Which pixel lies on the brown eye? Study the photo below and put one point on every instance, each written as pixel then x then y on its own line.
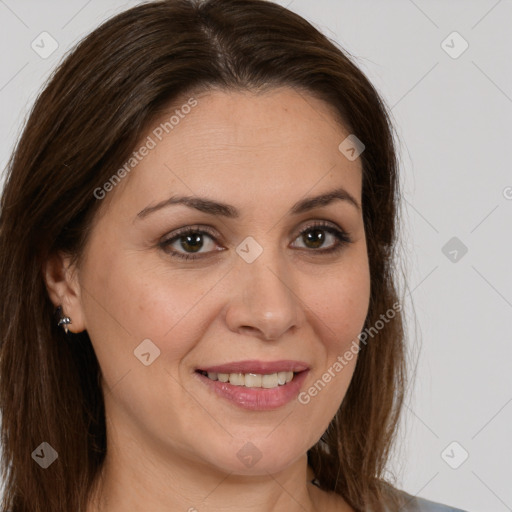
pixel 189 240
pixel 187 243
pixel 314 237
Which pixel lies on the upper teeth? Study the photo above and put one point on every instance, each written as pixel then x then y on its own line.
pixel 253 380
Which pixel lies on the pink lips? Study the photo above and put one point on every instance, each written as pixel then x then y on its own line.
pixel 257 399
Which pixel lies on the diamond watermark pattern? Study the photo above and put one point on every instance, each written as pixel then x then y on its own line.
pixel 249 249
pixel 44 455
pixel 351 147
pixel 44 45
pixel 454 249
pixel 249 454
pixel 147 352
pixel 454 455
pixel 454 45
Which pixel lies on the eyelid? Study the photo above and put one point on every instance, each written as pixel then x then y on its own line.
pixel 320 223
pixel 187 229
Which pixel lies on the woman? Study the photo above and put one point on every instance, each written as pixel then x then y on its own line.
pixel 197 254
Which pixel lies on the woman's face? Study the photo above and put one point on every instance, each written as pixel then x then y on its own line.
pixel 260 298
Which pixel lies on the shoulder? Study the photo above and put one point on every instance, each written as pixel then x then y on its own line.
pixel 416 504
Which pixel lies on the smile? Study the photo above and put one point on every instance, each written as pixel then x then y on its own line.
pixel 255 385
pixel 252 380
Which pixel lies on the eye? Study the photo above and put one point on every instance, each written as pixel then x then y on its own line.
pixel 192 239
pixel 315 234
pixel 189 238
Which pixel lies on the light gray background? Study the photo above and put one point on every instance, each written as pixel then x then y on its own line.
pixel 453 119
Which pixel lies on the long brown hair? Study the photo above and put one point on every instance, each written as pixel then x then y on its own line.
pixel 86 122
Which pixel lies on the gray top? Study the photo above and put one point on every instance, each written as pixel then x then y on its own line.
pixel 416 504
pixel 422 505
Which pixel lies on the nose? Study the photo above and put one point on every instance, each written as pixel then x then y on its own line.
pixel 263 301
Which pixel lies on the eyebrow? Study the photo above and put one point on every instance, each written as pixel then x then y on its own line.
pixel 211 207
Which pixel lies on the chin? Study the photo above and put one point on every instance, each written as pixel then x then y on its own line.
pixel 258 455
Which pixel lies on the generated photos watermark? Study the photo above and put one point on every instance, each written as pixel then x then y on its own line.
pixel 342 361
pixel 150 143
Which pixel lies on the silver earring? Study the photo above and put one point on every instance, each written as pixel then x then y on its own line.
pixel 64 321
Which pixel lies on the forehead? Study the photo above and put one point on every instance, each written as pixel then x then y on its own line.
pixel 252 147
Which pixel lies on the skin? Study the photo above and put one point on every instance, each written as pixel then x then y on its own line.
pixel 172 443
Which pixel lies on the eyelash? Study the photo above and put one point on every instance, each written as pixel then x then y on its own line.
pixel 342 239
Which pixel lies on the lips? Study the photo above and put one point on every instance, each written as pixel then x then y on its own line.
pixel 272 384
pixel 257 367
pixel 273 393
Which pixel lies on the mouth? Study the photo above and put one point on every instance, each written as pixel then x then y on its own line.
pixel 255 374
pixel 255 385
pixel 252 380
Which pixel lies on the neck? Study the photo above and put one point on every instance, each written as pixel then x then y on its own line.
pixel 129 482
pixel 140 475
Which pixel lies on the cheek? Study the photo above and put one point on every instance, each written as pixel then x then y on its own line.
pixel 341 305
pixel 130 303
pixel 338 311
pixel 127 300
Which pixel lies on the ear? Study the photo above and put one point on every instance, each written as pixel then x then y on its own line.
pixel 61 278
